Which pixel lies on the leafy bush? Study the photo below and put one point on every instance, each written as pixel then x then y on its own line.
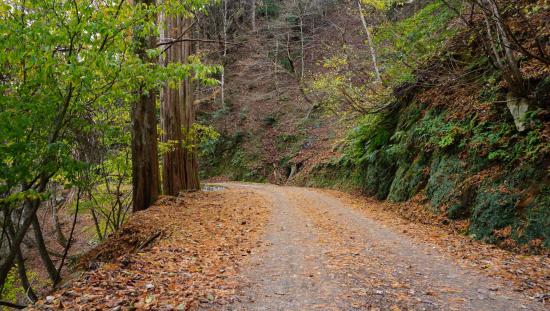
pixel 411 42
pixel 372 133
pixel 437 133
pixel 500 141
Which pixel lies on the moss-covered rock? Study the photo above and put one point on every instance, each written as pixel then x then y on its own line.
pixel 513 200
pixel 409 179
pixel 378 177
pixel 446 172
pixel 538 219
pixel 334 175
pixel 493 209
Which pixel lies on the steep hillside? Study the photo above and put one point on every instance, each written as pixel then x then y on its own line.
pixel 451 143
pixel 445 138
pixel 269 127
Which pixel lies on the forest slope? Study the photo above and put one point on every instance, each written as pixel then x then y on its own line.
pixel 445 137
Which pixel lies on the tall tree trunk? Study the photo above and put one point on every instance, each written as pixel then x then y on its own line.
pixel 222 84
pixel 191 162
pixel 145 170
pixel 145 165
pixel 515 73
pixel 7 262
pixel 41 245
pixel 23 278
pixel 55 216
pixel 302 55
pixel 369 40
pixel 172 101
pixel 253 14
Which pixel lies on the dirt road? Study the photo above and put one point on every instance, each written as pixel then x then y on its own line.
pixel 264 247
pixel 319 254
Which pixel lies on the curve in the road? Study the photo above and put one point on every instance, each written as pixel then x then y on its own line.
pixel 321 255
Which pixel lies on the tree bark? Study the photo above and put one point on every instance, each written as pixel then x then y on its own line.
pixel 253 14
pixel 302 55
pixel 145 169
pixel 48 263
pixel 55 216
pixel 172 101
pixel 369 40
pixel 191 162
pixel 513 68
pixel 7 262
pixel 25 283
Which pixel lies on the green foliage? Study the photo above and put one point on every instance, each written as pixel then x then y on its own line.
pixel 69 75
pixel 268 8
pixel 501 142
pixel 383 5
pixel 538 219
pixel 200 136
pixel 243 167
pixel 269 120
pixel 333 175
pixel 378 177
pixel 409 178
pixel 286 141
pixel 493 209
pixel 435 132
pixel 409 43
pixel 364 142
pixel 10 289
pixel 446 172
pixel 339 95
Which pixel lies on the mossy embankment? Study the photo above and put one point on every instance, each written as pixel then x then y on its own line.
pixel 452 137
pixel 439 132
pixel 472 166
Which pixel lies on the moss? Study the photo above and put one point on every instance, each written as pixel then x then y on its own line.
pixel 500 203
pixel 335 175
pixel 446 172
pixel 409 179
pixel 460 204
pixel 493 209
pixel 378 177
pixel 538 219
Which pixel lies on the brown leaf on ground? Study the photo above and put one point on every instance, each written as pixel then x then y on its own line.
pixel 180 253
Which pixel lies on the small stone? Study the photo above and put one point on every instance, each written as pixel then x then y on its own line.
pixel 50 299
pixel 149 286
